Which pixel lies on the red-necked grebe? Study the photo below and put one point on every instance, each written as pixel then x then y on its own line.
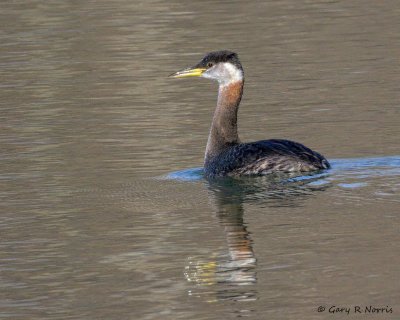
pixel 225 154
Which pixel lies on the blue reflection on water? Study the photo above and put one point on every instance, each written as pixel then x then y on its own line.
pixel 192 174
pixel 358 163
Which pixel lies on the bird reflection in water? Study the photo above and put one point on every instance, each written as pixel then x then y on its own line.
pixel 237 268
pixel 233 276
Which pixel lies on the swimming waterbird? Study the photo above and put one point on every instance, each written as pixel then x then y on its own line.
pixel 225 154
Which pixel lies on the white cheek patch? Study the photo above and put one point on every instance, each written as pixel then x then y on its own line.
pixel 234 74
pixel 225 73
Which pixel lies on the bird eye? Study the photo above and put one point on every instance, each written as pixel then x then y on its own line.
pixel 209 64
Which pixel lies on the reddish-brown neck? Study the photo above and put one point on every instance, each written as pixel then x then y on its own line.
pixel 223 131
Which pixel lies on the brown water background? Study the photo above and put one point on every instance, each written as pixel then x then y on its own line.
pixel 104 213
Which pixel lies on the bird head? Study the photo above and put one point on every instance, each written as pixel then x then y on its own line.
pixel 222 66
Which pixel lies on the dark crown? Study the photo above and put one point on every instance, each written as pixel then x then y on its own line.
pixel 219 56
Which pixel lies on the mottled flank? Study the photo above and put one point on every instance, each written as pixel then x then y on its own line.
pixel 264 157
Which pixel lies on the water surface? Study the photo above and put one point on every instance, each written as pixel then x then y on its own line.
pixel 104 212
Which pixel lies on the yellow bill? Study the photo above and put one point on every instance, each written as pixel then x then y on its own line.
pixel 196 72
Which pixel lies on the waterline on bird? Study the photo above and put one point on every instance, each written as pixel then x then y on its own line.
pixel 351 168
